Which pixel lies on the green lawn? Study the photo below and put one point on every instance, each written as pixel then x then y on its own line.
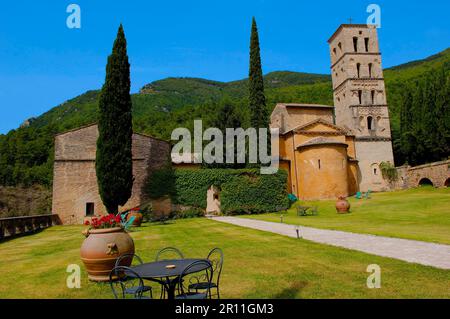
pixel 257 264
pixel 420 214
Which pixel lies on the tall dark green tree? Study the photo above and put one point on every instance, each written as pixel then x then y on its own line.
pixel 114 162
pixel 259 117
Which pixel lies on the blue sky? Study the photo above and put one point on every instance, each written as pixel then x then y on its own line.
pixel 43 63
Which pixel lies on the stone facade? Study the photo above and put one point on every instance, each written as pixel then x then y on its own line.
pixel 318 155
pixel 75 190
pixel 336 150
pixel 360 99
pixel 437 173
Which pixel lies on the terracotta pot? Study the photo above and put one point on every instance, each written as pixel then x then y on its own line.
pixel 342 205
pixel 101 249
pixel 137 218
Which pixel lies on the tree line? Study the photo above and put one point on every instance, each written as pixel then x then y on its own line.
pixel 424 134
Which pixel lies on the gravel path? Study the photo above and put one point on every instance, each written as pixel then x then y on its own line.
pixel 429 254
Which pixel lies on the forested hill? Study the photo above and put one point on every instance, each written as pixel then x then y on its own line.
pixel 26 153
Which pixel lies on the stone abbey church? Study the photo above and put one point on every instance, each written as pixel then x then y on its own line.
pixel 333 151
pixel 328 151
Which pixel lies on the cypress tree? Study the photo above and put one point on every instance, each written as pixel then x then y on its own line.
pixel 113 160
pixel 257 101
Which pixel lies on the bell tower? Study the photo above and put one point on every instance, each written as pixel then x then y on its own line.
pixel 360 99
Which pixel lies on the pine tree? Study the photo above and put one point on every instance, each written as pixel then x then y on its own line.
pixel 257 101
pixel 113 160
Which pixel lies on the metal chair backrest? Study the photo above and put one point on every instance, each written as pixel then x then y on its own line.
pixel 215 257
pixel 122 278
pixel 169 250
pixel 123 259
pixel 204 275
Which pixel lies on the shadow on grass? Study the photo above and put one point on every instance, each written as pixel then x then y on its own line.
pixel 20 235
pixel 292 291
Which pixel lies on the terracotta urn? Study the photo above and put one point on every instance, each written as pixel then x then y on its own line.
pixel 101 248
pixel 342 205
pixel 137 217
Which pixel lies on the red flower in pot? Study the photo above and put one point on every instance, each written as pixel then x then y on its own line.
pixel 106 240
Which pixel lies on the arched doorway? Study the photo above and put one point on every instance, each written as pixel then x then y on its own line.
pixel 447 182
pixel 425 182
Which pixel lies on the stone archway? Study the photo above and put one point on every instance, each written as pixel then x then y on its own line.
pixel 213 200
pixel 425 182
pixel 447 182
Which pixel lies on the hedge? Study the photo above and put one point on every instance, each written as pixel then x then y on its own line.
pixel 242 190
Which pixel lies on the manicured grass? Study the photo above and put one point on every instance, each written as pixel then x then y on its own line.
pixel 421 214
pixel 257 264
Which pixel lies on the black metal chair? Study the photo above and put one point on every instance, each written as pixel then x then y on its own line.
pixel 172 251
pixel 123 258
pixel 187 277
pixel 135 260
pixel 125 282
pixel 215 257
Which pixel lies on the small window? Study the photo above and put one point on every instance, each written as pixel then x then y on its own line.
pixel 369 123
pixel 340 46
pixel 370 70
pixel 360 96
pixel 89 209
pixel 372 94
pixel 334 51
pixel 366 44
pixel 375 171
pixel 358 68
pixel 355 44
pixel 319 164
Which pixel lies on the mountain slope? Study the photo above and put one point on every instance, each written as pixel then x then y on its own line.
pixel 161 106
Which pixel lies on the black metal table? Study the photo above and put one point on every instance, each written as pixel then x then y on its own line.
pixel 157 272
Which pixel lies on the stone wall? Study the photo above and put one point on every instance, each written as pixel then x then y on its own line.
pixel 322 172
pixel 438 173
pixel 370 154
pixel 75 179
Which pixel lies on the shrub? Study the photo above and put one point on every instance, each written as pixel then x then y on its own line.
pixel 191 212
pixel 247 193
pixel 243 190
pixel 160 183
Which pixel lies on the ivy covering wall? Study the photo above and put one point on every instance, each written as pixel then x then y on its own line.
pixel 241 190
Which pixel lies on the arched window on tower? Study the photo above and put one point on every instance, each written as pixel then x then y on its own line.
pixel 366 44
pixel 370 123
pixel 340 46
pixel 370 70
pixel 358 68
pixel 360 96
pixel 334 51
pixel 372 95
pixel 355 44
